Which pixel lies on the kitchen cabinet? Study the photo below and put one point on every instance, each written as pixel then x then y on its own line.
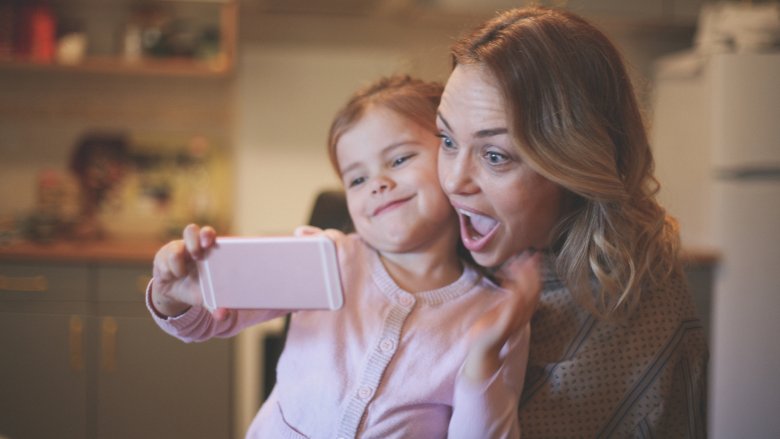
pixel 156 37
pixel 82 358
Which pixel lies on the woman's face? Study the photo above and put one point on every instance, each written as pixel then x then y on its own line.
pixel 503 205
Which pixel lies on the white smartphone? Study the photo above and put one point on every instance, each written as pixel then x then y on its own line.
pixel 271 273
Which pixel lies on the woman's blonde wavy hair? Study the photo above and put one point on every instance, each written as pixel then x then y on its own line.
pixel 574 116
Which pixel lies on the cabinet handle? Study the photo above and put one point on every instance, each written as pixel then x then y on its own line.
pixel 76 342
pixel 35 284
pixel 108 331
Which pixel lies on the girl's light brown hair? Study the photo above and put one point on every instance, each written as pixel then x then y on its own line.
pixel 573 115
pixel 413 99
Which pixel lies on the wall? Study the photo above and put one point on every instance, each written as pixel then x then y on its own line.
pixel 43 114
pixel 295 71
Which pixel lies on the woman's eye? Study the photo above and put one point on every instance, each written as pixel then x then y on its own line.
pixel 446 142
pixel 496 158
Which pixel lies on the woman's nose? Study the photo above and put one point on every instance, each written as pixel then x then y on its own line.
pixel 456 175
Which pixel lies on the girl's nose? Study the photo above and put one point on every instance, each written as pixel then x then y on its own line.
pixel 380 184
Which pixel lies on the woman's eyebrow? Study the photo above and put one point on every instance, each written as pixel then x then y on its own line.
pixel 443 120
pixel 490 132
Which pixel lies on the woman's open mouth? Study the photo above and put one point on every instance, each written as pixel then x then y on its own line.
pixel 476 230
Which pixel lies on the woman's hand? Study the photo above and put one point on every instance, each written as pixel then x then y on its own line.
pixel 175 287
pixel 521 278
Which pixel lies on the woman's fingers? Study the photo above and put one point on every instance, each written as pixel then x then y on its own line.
pixel 522 278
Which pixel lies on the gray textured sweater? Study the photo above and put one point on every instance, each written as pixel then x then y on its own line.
pixel 589 378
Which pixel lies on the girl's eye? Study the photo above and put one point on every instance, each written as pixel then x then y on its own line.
pixel 496 158
pixel 356 181
pixel 446 142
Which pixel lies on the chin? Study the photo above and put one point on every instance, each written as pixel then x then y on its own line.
pixel 487 260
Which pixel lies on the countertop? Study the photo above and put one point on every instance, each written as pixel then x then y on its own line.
pixel 140 251
pixel 121 251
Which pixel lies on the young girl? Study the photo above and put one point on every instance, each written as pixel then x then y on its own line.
pixel 424 346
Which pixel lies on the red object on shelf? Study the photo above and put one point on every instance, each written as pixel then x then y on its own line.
pixel 37 33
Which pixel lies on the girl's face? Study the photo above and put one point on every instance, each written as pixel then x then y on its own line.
pixel 388 167
pixel 503 205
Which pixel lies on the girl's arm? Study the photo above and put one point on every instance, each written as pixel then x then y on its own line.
pixel 198 324
pixel 174 297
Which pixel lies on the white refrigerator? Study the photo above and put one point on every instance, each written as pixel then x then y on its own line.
pixel 716 136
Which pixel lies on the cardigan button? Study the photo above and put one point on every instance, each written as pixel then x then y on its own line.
pixel 386 344
pixel 365 392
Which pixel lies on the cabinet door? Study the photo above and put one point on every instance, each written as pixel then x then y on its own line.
pixel 153 385
pixel 42 375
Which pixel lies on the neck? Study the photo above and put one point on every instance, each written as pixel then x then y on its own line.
pixel 425 270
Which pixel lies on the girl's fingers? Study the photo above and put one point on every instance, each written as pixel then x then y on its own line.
pixel 302 231
pixel 177 262
pixel 207 237
pixel 191 236
pixel 221 314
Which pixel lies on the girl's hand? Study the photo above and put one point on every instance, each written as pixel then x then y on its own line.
pixel 175 287
pixel 521 278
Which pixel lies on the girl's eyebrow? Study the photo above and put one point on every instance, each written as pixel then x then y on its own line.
pixel 489 132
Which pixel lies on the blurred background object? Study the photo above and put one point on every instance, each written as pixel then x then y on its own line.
pixel 717 147
pixel 99 163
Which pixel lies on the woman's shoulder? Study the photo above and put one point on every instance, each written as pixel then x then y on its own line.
pixel 671 299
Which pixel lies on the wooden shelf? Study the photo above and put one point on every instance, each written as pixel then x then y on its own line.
pixel 148 66
pixel 220 65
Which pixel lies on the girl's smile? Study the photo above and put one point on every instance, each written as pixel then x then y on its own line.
pixel 388 166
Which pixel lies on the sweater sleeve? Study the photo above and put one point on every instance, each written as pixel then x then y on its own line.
pixel 489 409
pixel 197 323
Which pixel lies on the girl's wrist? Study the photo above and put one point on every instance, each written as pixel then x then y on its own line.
pixel 165 307
pixel 170 309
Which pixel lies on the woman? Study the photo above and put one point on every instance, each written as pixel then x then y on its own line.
pixel 543 147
